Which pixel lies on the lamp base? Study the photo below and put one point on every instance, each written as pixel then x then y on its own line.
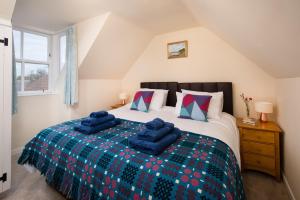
pixel 263 117
pixel 123 102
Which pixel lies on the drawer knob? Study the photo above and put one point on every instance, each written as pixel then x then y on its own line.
pixel 258 162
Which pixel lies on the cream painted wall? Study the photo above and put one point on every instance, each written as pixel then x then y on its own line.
pixel 288 99
pixel 6 10
pixel 87 33
pixel 34 114
pixel 38 112
pixel 96 94
pixel 210 59
pixel 117 46
pixel 249 27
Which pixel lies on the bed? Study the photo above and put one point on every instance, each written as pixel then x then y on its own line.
pixel 202 164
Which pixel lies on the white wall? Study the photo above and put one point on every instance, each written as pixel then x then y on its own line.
pixel 34 114
pixel 96 94
pixel 262 30
pixel 209 59
pixel 38 112
pixel 6 11
pixel 87 33
pixel 116 47
pixel 288 99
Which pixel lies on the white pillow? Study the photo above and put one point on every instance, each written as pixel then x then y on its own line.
pixel 159 98
pixel 165 97
pixel 165 92
pixel 179 97
pixel 216 103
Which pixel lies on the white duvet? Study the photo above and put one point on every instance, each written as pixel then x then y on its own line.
pixel 224 129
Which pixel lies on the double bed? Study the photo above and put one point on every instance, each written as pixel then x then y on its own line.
pixel 204 163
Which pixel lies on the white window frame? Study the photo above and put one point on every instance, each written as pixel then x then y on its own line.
pixel 23 61
pixel 62 34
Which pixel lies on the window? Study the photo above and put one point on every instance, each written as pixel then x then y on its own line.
pixel 62 51
pixel 32 61
pixel 35 47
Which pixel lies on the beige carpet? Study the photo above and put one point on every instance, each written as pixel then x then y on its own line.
pixel 26 186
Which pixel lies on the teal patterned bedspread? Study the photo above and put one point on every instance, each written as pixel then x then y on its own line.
pixel 103 166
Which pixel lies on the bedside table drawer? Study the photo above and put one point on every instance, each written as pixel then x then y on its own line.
pixel 258 148
pixel 259 161
pixel 258 136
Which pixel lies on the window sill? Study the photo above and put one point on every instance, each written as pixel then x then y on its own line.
pixel 25 94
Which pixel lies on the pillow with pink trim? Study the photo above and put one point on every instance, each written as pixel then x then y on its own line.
pixel 195 107
pixel 142 100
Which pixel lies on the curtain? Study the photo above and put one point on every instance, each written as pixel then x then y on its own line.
pixel 71 84
pixel 14 81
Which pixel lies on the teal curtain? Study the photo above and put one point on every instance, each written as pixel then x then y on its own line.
pixel 14 80
pixel 71 84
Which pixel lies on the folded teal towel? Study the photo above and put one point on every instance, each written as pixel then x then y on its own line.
pixel 155 124
pixel 94 129
pixel 98 114
pixel 97 121
pixel 154 148
pixel 155 135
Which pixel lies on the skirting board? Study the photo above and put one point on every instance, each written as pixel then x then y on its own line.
pixel 288 187
pixel 17 151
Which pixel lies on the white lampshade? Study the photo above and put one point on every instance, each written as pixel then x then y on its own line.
pixel 123 96
pixel 264 107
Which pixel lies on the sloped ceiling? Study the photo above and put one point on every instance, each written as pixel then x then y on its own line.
pixel 118 44
pixel 87 33
pixel 157 16
pixel 267 31
pixel 6 9
pixel 108 45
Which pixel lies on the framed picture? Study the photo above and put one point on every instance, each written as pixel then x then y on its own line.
pixel 178 49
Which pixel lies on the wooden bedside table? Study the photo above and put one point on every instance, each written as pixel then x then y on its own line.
pixel 116 106
pixel 260 147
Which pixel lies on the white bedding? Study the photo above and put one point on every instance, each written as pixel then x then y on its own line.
pixel 224 129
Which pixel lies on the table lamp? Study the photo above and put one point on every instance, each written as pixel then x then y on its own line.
pixel 123 97
pixel 264 108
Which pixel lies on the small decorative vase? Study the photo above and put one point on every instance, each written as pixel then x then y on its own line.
pixel 247 118
pixel 247 112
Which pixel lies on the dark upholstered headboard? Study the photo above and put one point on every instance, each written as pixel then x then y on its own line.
pixel 173 87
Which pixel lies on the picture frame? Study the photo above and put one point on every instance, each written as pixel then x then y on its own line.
pixel 177 49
